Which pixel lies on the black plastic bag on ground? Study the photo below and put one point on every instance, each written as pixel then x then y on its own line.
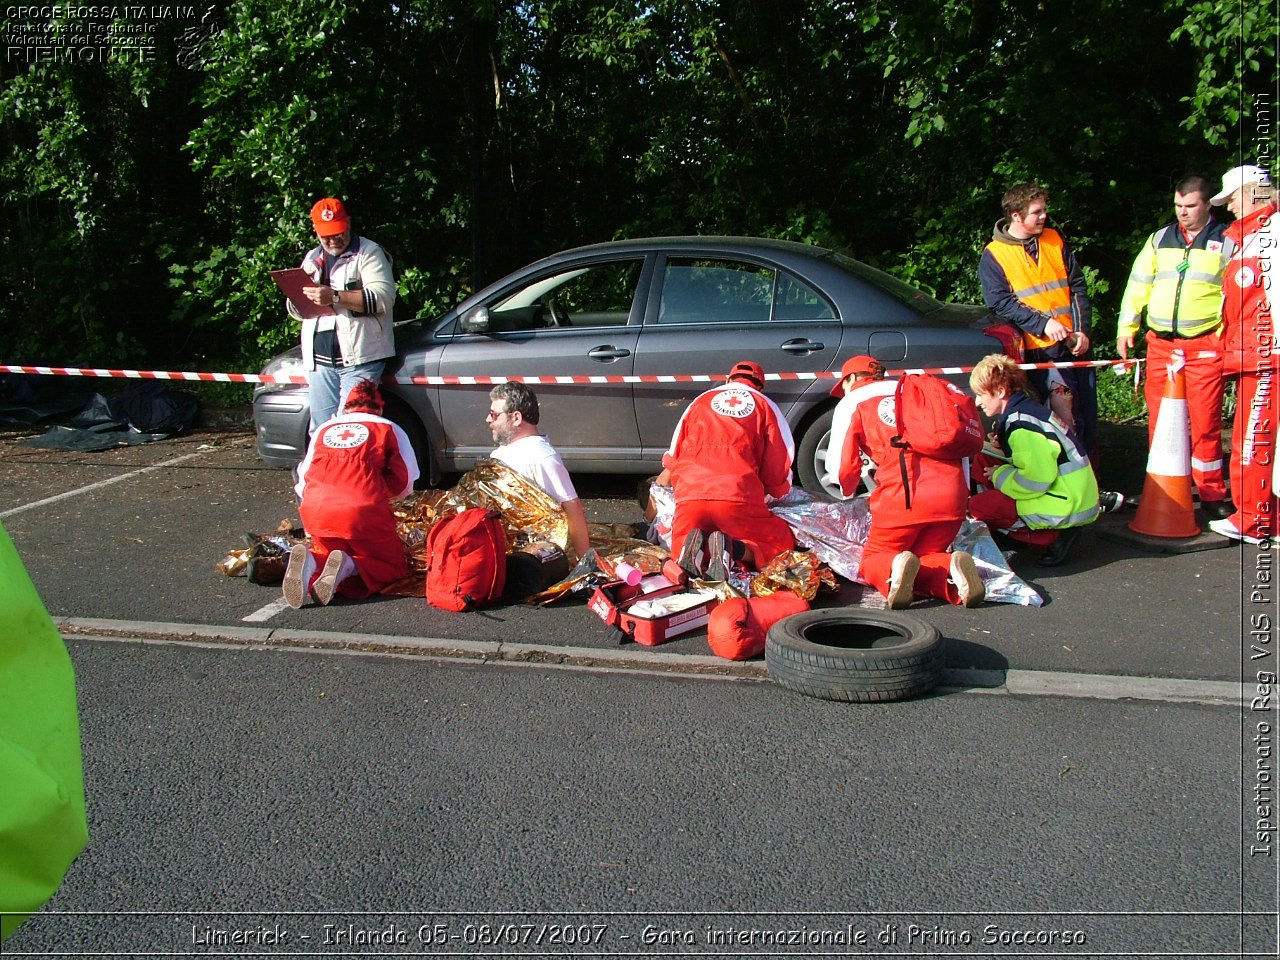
pixel 26 399
pixel 140 413
pixel 101 436
pixel 152 407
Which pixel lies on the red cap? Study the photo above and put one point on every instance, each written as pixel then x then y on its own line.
pixel 867 366
pixel 747 370
pixel 329 217
pixel 364 396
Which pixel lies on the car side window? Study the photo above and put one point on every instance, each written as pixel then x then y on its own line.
pixel 597 295
pixel 794 299
pixel 714 291
pixel 726 291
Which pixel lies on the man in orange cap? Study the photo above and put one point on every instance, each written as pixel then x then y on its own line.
pixel 1250 353
pixel 906 549
pixel 352 343
pixel 731 450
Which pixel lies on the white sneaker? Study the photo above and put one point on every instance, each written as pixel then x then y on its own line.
pixel 297 576
pixel 337 568
pixel 1228 529
pixel 902 580
pixel 964 574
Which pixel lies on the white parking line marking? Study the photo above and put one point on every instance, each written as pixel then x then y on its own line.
pixel 267 612
pixel 101 483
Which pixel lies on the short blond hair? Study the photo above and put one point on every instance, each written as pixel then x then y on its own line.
pixel 998 374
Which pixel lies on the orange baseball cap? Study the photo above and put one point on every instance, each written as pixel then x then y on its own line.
pixel 747 370
pixel 329 217
pixel 867 366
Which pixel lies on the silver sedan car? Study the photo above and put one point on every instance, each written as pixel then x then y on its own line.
pixel 646 308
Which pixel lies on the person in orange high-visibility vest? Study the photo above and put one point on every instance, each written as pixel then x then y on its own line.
pixel 1030 278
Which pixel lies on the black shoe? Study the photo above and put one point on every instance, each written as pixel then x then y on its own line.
pixel 1217 509
pixel 691 554
pixel 1109 501
pixel 1058 550
pixel 267 570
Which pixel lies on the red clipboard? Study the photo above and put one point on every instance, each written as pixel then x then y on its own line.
pixel 291 282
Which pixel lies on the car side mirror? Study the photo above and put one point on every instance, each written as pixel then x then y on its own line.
pixel 477 321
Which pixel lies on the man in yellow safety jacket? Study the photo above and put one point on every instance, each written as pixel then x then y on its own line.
pixel 1177 282
pixel 1030 278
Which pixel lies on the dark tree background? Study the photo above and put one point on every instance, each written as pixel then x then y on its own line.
pixel 143 200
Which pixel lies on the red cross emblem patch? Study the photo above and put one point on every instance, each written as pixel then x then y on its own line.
pixel 735 401
pixel 345 436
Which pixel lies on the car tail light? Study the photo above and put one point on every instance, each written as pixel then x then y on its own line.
pixel 1008 336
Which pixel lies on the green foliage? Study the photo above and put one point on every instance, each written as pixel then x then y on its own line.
pixel 1118 400
pixel 1235 52
pixel 219 395
pixel 143 202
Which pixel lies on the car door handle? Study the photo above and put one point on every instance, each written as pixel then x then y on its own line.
pixel 609 352
pixel 801 346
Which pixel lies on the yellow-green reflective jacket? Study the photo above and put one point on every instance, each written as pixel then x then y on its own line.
pixel 1178 284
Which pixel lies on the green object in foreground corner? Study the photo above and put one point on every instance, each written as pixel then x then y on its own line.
pixel 42 818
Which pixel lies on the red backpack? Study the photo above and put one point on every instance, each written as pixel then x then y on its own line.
pixel 935 419
pixel 466 560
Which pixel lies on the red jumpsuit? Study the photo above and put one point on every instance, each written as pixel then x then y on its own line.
pixel 356 464
pixel 939 495
pixel 1250 354
pixel 731 447
pixel 1204 385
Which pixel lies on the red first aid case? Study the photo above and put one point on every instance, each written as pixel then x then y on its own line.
pixel 614 602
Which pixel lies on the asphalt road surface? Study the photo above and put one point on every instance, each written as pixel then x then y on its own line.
pixel 311 794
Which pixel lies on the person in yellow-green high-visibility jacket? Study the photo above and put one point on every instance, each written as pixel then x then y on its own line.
pixel 1040 480
pixel 1176 286
pixel 42 813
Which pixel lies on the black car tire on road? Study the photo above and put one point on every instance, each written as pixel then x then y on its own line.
pixel 860 656
pixel 813 446
pixel 398 413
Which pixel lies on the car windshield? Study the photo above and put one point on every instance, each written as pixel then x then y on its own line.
pixel 919 301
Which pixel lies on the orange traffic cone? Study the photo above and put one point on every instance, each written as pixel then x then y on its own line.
pixel 1166 509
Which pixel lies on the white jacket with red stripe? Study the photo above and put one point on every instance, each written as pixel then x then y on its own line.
pixel 866 420
pixel 733 444
pixel 356 463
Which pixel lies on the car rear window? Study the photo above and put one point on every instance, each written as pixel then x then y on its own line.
pixel 735 291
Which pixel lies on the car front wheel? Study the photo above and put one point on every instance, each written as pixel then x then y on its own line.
pixel 403 417
pixel 811 458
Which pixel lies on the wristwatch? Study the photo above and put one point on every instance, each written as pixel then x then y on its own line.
pixel 336 302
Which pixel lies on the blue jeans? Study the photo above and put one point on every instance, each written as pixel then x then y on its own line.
pixel 329 386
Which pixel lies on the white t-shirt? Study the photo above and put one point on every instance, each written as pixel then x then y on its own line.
pixel 535 459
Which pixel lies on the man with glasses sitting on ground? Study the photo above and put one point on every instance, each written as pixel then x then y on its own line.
pixel 513 421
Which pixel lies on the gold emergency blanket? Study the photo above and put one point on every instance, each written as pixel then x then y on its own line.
pixel 528 514
pixel 797 571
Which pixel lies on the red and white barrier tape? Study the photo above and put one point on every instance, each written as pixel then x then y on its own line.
pixel 477 381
